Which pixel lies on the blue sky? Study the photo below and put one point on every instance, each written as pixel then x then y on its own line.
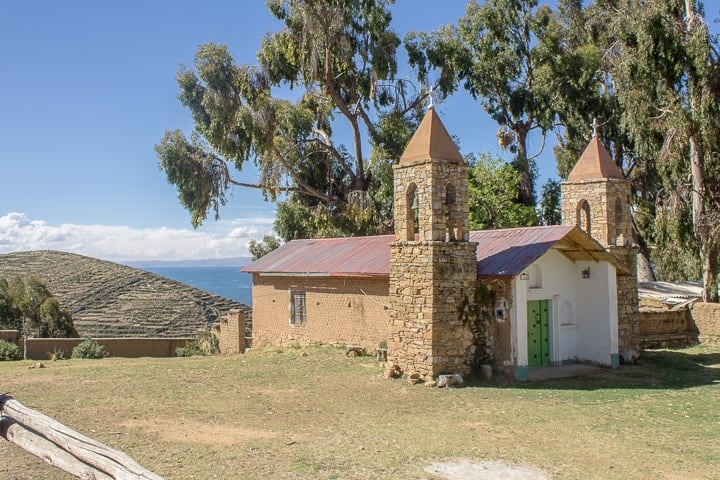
pixel 88 88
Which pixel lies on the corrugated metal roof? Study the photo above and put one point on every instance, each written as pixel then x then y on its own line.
pixel 507 252
pixel 352 256
pixel 671 293
pixel 500 253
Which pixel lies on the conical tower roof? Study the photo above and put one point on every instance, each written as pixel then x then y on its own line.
pixel 431 141
pixel 595 164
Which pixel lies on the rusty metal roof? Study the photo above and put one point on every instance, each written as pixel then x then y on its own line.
pixel 352 256
pixel 500 253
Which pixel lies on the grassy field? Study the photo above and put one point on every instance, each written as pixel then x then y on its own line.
pixel 314 413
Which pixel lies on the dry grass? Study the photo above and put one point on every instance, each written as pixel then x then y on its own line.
pixel 314 413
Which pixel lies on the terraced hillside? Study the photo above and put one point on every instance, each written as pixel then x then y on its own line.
pixel 110 300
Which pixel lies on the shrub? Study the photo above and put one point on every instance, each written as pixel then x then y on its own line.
pixel 9 351
pixel 204 343
pixel 89 348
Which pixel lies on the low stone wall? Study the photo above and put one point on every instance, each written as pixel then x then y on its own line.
pixel 43 348
pixel 667 328
pixel 706 317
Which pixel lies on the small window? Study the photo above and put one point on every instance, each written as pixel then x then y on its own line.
pixel 298 311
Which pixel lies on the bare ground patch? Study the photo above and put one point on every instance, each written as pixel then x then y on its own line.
pixel 464 469
pixel 191 431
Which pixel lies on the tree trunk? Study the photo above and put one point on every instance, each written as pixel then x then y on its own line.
pixel 645 272
pixel 709 256
pixel 526 191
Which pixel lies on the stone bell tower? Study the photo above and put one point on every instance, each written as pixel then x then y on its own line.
pixel 433 266
pixel 597 197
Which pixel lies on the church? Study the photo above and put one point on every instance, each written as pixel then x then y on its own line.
pixel 443 299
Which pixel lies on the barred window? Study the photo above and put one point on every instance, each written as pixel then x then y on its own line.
pixel 297 307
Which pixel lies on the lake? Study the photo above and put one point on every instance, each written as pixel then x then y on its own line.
pixel 228 282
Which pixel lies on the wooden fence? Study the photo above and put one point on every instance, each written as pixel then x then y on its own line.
pixel 65 448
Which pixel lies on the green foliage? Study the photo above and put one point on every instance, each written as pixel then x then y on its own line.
pixel 339 59
pixel 54 322
pixel 204 343
pixel 260 249
pixel 26 304
pixel 503 52
pixel 9 351
pixel 494 190
pixel 664 65
pixel 550 203
pixel 89 349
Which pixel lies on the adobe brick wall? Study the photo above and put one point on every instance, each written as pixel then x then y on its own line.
pixel 666 328
pixel 706 319
pixel 230 331
pixel 9 335
pixel 43 348
pixel 340 310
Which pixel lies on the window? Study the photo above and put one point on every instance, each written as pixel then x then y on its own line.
pixel 298 314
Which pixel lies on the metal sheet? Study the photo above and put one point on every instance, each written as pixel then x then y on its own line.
pixel 353 256
pixel 500 253
pixel 507 252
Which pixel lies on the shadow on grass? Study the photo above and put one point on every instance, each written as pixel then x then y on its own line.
pixel 656 369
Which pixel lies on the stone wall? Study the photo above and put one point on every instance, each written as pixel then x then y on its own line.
pixel 706 319
pixel 340 310
pixel 442 195
pixel 432 287
pixel 499 332
pixel 230 332
pixel 43 348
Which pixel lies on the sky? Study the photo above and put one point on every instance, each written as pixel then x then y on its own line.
pixel 87 89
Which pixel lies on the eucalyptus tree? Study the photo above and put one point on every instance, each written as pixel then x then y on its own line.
pixel 501 52
pixel 337 60
pixel 665 74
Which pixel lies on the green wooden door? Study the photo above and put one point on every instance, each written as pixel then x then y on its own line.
pixel 538 333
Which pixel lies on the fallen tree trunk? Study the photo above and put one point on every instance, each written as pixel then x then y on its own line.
pixel 65 448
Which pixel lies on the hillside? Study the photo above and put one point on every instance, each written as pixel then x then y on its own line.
pixel 110 300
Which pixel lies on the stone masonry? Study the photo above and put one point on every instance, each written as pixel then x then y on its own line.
pixel 433 270
pixel 431 284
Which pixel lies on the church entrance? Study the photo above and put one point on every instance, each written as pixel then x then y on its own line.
pixel 538 333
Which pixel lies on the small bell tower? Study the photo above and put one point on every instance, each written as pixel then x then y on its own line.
pixel 597 197
pixel 433 266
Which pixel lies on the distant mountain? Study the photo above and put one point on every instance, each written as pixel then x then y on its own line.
pixel 107 299
pixel 210 262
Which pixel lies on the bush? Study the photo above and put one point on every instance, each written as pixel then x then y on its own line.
pixel 204 343
pixel 9 351
pixel 89 348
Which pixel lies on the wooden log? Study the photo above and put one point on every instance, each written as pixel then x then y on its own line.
pixel 113 463
pixel 48 451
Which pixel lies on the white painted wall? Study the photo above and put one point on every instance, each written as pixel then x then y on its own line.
pixel 583 311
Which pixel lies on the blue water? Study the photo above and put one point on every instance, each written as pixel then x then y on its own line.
pixel 228 282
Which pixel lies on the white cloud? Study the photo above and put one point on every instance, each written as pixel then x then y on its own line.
pixel 123 243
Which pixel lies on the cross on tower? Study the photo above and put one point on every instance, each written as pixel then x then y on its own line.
pixel 595 126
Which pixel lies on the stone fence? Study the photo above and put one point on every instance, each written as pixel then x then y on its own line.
pixel 684 326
